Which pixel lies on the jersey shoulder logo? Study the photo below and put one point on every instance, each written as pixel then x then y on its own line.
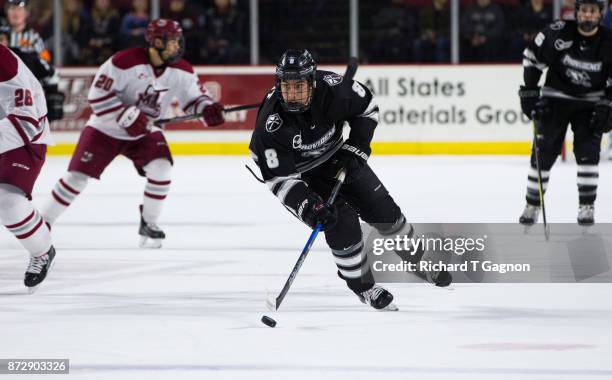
pixel 539 39
pixel 273 123
pixel 333 79
pixel 563 45
pixel 557 25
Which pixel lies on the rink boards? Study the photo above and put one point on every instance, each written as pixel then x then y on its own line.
pixel 441 109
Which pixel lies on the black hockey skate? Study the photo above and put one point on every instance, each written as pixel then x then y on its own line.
pixel 378 297
pixel 37 270
pixel 151 236
pixel 586 215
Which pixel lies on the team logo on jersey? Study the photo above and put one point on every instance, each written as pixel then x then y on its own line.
pixel 563 45
pixel 273 123
pixel 297 141
pixel 581 65
pixel 333 79
pixel 579 78
pixel 149 101
pixel 557 25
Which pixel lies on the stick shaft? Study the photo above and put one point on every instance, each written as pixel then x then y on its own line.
pixel 197 116
pixel 311 239
pixel 536 150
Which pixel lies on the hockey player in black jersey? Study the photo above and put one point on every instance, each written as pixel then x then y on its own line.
pixel 299 148
pixel 577 91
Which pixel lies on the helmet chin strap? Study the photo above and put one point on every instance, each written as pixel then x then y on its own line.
pixel 588 26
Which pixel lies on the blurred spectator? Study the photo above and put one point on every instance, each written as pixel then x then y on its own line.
pixel 396 32
pixel 189 17
pixel 482 28
pixel 531 19
pixel 434 27
pixel 133 25
pixel 568 10
pixel 98 40
pixel 41 17
pixel 607 20
pixel 71 29
pixel 224 34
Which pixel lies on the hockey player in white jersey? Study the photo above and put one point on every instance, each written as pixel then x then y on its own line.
pixel 24 136
pixel 130 90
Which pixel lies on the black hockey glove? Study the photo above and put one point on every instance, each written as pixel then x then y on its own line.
pixel 55 103
pixel 529 100
pixel 352 159
pixel 316 211
pixel 601 119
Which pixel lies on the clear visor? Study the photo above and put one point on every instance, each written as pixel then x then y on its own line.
pixel 296 92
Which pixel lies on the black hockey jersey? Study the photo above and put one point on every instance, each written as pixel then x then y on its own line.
pixel 284 145
pixel 579 67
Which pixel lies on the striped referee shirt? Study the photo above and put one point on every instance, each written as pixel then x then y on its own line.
pixel 29 41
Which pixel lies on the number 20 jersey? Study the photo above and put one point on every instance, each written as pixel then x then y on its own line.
pixel 128 78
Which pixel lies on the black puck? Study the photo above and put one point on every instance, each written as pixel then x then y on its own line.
pixel 268 321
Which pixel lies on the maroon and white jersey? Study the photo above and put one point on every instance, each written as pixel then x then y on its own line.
pixel 23 109
pixel 128 79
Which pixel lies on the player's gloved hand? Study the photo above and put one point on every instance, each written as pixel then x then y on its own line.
pixel 55 105
pixel 601 118
pixel 529 98
pixel 213 114
pixel 134 121
pixel 55 102
pixel 316 211
pixel 352 159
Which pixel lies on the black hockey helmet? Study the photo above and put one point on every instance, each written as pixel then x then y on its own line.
pixel 588 26
pixel 600 3
pixel 296 65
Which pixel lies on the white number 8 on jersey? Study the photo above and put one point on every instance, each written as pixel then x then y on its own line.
pixel 271 158
pixel 358 88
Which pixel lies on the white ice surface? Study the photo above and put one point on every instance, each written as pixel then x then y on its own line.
pixel 192 309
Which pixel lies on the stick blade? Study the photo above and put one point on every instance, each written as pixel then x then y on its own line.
pixel 271 303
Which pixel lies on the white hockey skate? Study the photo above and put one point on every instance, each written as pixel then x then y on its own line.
pixel 586 215
pixel 37 270
pixel 530 215
pixel 379 298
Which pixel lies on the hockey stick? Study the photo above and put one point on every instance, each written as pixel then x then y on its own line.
pixel 536 150
pixel 243 107
pixel 274 303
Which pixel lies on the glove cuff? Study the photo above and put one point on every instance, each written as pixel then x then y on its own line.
pixel 352 148
pixel 529 92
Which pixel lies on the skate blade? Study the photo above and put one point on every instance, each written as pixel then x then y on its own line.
pixel 33 289
pixel 148 243
pixel 527 228
pixel 390 307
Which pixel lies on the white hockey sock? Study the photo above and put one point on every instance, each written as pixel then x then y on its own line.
pixel 22 220
pixel 533 188
pixel 158 185
pixel 587 180
pixel 63 194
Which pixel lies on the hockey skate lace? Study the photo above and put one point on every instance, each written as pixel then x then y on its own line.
pixel 37 263
pixel 373 293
